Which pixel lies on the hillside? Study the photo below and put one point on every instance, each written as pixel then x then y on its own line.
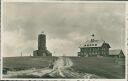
pixel 106 67
pixel 21 63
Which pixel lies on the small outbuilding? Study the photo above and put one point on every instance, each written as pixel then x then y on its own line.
pixel 116 53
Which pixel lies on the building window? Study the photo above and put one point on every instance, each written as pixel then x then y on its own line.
pixel 81 49
pixel 87 45
pixel 95 44
pixel 92 44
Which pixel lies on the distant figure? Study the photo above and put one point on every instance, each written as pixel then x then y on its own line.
pixel 5 70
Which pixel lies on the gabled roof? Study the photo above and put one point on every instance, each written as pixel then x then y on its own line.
pixel 115 52
pixel 93 43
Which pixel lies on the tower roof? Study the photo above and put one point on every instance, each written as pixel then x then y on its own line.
pixel 42 33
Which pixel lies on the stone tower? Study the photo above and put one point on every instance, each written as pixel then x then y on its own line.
pixel 42 49
pixel 42 41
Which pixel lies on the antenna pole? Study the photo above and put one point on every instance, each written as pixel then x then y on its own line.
pixel 21 54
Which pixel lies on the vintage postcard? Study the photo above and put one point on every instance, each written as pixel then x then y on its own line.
pixel 64 41
pixel 58 0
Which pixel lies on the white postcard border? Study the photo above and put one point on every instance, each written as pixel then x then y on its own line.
pixel 126 39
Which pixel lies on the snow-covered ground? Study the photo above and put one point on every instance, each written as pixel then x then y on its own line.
pixel 61 69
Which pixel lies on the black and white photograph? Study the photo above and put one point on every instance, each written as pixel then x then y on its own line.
pixel 62 0
pixel 42 40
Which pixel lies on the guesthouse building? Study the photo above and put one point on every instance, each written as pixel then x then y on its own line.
pixel 94 48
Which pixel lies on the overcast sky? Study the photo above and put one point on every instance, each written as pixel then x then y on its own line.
pixel 66 25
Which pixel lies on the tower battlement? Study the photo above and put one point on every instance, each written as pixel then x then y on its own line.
pixel 42 49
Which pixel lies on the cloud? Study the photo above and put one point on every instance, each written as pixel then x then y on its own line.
pixel 65 24
pixel 61 47
pixel 14 44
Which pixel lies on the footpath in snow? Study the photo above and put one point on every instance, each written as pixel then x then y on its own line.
pixel 61 69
